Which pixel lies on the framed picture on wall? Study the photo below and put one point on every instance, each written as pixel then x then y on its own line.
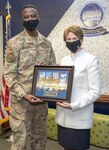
pixel 53 83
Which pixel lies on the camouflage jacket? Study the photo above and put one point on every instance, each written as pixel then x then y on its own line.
pixel 23 52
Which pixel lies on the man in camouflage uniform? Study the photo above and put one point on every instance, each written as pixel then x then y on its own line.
pixel 28 113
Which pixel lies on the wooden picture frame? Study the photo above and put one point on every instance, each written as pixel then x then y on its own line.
pixel 53 83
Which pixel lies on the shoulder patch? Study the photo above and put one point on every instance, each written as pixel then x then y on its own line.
pixel 10 57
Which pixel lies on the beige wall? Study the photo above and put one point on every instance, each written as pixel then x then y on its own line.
pixel 97 45
pixel 1 49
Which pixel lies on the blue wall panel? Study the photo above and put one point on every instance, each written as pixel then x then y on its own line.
pixel 50 12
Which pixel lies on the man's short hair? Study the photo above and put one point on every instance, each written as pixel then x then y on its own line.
pixel 30 6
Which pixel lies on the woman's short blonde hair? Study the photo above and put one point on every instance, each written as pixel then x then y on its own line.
pixel 74 29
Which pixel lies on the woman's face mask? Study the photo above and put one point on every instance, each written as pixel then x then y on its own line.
pixel 73 46
pixel 73 42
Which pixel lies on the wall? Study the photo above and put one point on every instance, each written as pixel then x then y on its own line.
pixel 97 45
pixel 55 17
pixel 50 12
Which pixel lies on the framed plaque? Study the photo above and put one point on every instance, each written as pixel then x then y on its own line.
pixel 53 83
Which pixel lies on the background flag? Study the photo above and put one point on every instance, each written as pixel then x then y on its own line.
pixel 5 94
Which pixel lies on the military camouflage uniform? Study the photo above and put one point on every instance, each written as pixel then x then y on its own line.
pixel 27 121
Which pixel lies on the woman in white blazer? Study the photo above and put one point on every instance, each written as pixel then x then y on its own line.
pixel 75 119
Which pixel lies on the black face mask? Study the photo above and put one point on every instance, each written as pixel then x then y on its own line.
pixel 73 46
pixel 31 24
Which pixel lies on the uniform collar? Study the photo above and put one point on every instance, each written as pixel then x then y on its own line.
pixel 33 40
pixel 77 54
